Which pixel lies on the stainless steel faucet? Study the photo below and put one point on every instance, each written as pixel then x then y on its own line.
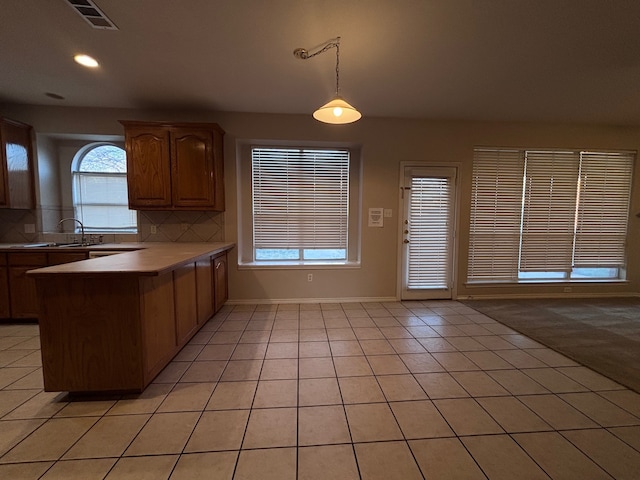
pixel 83 239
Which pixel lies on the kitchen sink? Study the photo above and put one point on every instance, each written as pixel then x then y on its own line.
pixel 53 244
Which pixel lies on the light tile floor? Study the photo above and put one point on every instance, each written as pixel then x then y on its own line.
pixel 412 390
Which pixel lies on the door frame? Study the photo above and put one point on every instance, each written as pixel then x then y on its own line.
pixel 455 220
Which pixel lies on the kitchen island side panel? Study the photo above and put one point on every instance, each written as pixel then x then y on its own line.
pixel 90 332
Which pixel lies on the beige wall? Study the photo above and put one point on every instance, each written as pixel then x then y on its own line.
pixel 385 144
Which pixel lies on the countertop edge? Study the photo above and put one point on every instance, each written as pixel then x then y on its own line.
pixel 148 259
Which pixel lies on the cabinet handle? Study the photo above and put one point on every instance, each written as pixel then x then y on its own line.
pixel 218 265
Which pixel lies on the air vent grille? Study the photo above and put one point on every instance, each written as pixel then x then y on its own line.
pixel 92 14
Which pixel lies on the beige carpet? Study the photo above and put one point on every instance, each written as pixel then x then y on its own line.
pixel 603 334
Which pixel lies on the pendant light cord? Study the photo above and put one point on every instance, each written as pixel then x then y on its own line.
pixel 335 43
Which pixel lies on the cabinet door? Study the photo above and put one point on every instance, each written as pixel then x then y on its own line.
pixel 17 190
pixel 5 309
pixel 24 298
pixel 22 288
pixel 148 167
pixel 193 169
pixel 184 285
pixel 204 289
pixel 220 281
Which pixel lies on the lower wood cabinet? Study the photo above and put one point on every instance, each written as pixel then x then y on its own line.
pixel 220 281
pixel 204 289
pixel 24 298
pixel 5 306
pixel 184 291
pixel 115 333
pixel 19 288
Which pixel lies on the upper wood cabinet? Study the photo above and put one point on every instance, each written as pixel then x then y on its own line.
pixel 176 166
pixel 17 188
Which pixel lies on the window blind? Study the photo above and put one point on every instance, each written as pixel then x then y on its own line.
pixel 603 209
pixel 429 242
pixel 300 198
pixel 102 201
pixel 574 213
pixel 548 212
pixel 496 206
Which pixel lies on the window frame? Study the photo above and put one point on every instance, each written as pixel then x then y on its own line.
pixel 246 257
pixel 76 175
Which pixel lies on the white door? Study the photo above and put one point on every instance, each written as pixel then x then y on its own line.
pixel 428 232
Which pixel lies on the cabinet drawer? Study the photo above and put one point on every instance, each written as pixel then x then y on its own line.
pixel 28 258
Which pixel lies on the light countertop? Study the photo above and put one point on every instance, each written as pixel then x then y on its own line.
pixel 146 258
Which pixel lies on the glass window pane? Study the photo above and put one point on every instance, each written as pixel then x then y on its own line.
pixel 277 254
pixel 542 275
pixel 325 254
pixel 104 158
pixel 595 273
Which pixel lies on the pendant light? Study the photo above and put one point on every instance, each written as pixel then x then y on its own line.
pixel 338 110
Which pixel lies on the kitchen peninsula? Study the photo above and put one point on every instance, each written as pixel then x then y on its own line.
pixel 111 324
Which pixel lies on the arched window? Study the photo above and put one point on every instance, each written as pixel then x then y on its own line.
pixel 100 189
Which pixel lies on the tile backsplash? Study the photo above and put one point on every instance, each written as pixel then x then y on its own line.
pixel 169 226
pixel 12 226
pixel 180 226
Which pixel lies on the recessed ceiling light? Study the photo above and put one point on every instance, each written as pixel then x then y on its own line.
pixel 86 60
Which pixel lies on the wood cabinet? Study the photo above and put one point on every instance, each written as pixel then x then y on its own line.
pixel 116 332
pixel 19 288
pixel 5 306
pixel 174 166
pixel 204 289
pixel 17 183
pixel 24 298
pixel 184 290
pixel 220 282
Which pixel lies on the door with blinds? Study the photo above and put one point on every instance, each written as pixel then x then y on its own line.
pixel 428 232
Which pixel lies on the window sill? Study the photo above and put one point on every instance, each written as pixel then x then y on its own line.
pixel 297 265
pixel 506 283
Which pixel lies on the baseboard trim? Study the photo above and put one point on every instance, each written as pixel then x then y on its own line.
pixel 271 301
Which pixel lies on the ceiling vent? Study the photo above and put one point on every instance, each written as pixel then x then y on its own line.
pixel 92 14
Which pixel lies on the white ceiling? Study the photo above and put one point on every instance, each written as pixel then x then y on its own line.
pixel 514 60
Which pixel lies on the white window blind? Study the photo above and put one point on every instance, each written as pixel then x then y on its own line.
pixel 102 203
pixel 549 214
pixel 549 209
pixel 429 242
pixel 496 208
pixel 300 198
pixel 603 209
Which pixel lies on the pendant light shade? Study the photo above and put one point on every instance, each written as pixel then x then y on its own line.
pixel 337 111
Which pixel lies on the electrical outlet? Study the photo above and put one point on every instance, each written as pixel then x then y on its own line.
pixel 388 213
pixel 566 289
pixel 185 227
pixel 309 277
pixel 154 229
